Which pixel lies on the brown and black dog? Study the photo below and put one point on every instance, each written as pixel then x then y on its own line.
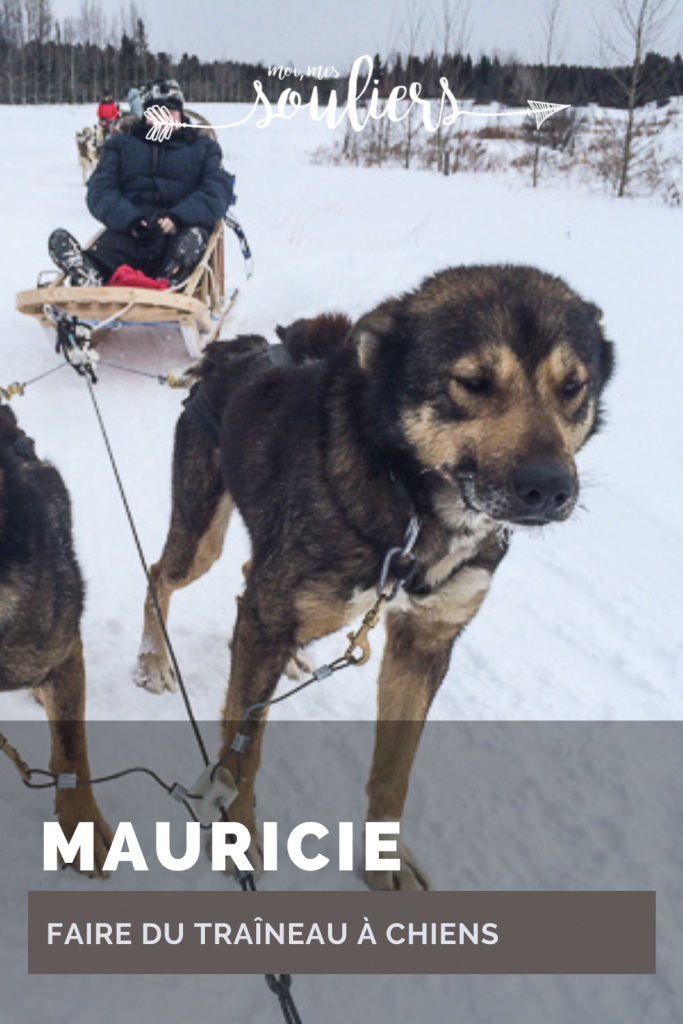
pixel 462 403
pixel 41 603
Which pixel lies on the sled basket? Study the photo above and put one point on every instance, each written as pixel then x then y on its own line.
pixel 197 308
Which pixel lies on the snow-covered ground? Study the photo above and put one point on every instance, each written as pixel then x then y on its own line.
pixel 580 147
pixel 581 623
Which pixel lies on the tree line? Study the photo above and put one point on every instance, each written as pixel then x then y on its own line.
pixel 73 60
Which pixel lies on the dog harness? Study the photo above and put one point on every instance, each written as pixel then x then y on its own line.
pixel 203 414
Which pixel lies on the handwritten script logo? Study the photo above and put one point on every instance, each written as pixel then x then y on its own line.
pixel 290 103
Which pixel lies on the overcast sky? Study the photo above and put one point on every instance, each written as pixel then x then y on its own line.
pixel 335 32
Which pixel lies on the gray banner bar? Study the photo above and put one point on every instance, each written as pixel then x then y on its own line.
pixel 441 933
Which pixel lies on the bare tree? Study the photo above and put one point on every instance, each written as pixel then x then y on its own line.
pixel 69 32
pixel 38 18
pixel 412 32
pixel 13 34
pixel 552 26
pixel 455 31
pixel 634 29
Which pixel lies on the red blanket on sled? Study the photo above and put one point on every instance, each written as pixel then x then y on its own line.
pixel 126 277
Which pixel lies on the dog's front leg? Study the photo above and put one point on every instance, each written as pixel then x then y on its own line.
pixel 416 657
pixel 63 697
pixel 415 660
pixel 260 650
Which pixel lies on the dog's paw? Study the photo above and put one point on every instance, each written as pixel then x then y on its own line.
pixel 411 877
pixel 154 673
pixel 103 841
pixel 299 667
pixel 74 806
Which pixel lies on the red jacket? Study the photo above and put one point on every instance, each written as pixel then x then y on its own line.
pixel 107 111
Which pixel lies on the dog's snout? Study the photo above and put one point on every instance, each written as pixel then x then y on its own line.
pixel 544 487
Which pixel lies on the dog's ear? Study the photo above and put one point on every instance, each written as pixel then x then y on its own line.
pixel 607 358
pixel 373 329
pixel 607 361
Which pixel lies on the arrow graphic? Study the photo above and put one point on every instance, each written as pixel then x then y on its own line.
pixel 541 111
pixel 545 110
pixel 163 125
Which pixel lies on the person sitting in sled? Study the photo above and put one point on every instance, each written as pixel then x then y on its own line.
pixel 159 200
pixel 134 102
pixel 107 114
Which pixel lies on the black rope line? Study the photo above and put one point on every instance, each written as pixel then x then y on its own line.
pixel 152 590
pixel 47 373
pixel 278 984
pixel 138 769
pixel 334 666
pixel 281 985
pixel 129 369
pixel 318 676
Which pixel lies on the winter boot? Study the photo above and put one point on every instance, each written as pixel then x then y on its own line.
pixel 77 265
pixel 184 255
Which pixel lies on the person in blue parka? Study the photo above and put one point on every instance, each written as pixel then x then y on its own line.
pixel 134 101
pixel 159 200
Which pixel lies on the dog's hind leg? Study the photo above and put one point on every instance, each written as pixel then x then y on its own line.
pixel 199 518
pixel 63 697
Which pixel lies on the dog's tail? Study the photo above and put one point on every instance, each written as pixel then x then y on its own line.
pixel 318 338
pixel 219 356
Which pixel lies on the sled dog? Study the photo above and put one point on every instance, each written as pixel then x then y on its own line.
pixel 460 405
pixel 41 602
pixel 86 153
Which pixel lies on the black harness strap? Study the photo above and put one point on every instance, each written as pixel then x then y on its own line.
pixel 203 414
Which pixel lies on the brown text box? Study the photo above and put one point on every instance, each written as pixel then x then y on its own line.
pixel 537 932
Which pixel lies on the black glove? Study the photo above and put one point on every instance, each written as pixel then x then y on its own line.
pixel 139 228
pixel 171 216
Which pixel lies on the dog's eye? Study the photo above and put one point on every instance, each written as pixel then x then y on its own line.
pixel 572 387
pixel 475 385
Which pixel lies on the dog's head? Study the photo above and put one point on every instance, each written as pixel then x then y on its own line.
pixel 488 380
